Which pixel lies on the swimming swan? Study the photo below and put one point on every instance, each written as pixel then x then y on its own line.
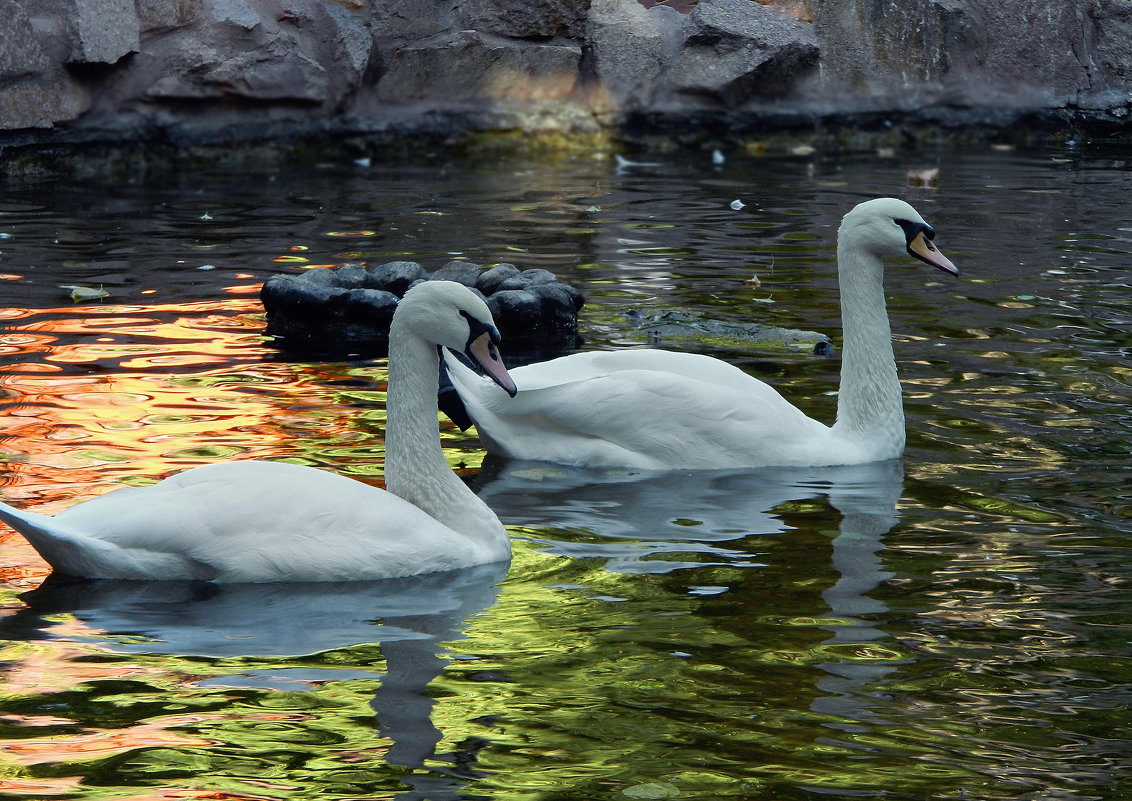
pixel 660 410
pixel 257 521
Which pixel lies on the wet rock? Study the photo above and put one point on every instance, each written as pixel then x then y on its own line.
pixel 351 276
pixel 396 276
pixel 462 272
pixel 672 327
pixel 348 309
pixel 491 280
pixel 538 276
pixel 522 309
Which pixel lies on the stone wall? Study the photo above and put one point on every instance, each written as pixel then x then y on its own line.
pixel 75 71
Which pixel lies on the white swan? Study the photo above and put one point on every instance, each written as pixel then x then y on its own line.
pixel 257 521
pixel 660 410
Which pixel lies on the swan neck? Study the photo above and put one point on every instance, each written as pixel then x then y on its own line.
pixel 870 402
pixel 415 466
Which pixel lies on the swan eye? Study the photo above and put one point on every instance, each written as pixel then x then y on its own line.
pixel 914 229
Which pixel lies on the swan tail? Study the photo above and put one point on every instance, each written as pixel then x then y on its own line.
pixel 72 553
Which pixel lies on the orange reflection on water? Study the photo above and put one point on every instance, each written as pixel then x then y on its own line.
pixel 100 396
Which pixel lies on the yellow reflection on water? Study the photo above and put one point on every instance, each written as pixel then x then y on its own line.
pixel 97 396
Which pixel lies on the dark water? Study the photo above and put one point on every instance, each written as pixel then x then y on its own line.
pixel 954 626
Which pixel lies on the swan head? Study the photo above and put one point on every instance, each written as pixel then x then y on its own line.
pixel 888 226
pixel 452 316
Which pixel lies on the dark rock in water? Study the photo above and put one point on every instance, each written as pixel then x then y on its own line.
pixel 348 310
pixel 672 327
pixel 462 272
pixel 519 306
pixel 352 276
pixel 538 276
pixel 491 280
pixel 396 276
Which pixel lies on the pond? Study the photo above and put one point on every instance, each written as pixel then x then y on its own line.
pixel 956 625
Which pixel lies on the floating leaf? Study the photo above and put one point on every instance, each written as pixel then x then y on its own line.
pixel 81 293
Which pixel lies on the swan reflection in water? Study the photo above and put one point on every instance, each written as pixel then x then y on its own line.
pixel 644 522
pixel 411 618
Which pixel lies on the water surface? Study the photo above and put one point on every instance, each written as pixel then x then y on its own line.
pixel 955 625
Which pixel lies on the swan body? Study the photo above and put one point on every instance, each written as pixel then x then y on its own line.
pixel 661 410
pixel 259 521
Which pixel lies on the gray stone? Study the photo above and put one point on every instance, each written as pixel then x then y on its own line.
pixel 395 23
pixel 533 19
pixel 490 281
pixel 397 276
pixel 276 71
pixel 354 42
pixel 628 50
pixel 462 272
pixel 20 53
pixel 41 102
pixel 106 30
pixel 238 13
pixel 352 276
pixel 158 15
pixel 453 66
pixel 370 307
pixel 737 49
pixel 1111 23
pixel 322 276
pixel 567 300
pixel 537 275
pixel 518 307
pixel 673 327
pixel 467 67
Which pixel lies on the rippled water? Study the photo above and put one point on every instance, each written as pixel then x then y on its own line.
pixel 955 626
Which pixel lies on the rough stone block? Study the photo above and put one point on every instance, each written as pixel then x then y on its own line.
pixel 41 102
pixel 105 30
pixel 628 50
pixel 462 272
pixel 530 19
pixel 736 50
pixel 467 66
pixel 397 276
pixel 490 280
pixel 20 53
pixel 237 13
pixel 156 15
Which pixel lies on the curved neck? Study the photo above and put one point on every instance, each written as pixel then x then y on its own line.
pixel 870 405
pixel 415 467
